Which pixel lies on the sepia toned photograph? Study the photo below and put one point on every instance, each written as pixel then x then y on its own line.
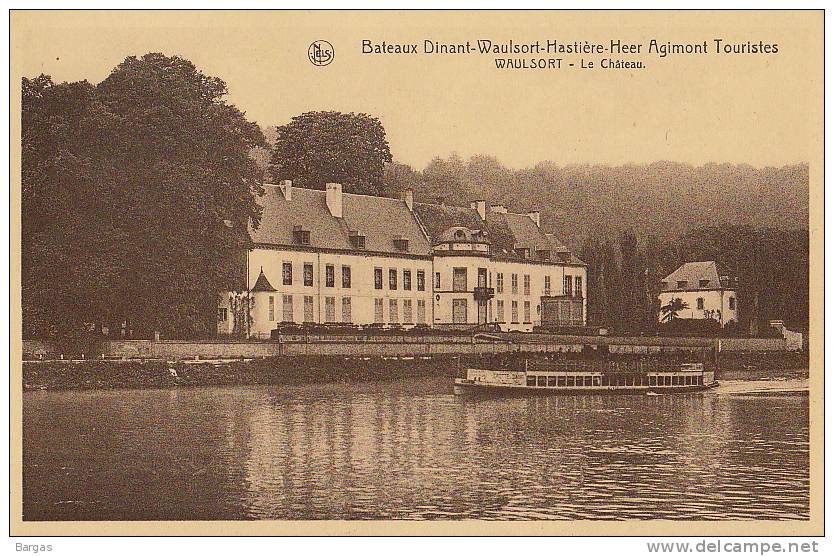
pixel 417 272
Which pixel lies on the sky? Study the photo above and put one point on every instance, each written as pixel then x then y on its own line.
pixel 761 110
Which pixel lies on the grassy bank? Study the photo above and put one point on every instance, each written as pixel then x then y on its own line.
pixel 99 374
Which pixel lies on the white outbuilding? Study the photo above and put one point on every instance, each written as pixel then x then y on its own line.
pixel 706 290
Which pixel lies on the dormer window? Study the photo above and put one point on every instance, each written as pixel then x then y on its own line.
pixel 460 234
pixel 523 252
pixel 300 235
pixel 543 254
pixel 681 284
pixel 357 241
pixel 703 283
pixel 401 243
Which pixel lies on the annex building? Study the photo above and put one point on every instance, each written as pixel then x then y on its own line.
pixel 707 290
pixel 334 257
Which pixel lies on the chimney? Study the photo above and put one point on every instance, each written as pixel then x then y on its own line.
pixel 286 189
pixel 408 197
pixel 498 209
pixel 333 196
pixel 535 216
pixel 480 206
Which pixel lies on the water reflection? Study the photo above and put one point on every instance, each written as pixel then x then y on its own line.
pixel 411 450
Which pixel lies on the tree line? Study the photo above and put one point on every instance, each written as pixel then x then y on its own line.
pixel 137 195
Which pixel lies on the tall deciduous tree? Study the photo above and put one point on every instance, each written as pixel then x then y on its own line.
pixel 320 147
pixel 137 195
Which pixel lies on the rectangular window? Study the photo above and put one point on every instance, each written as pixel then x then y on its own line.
pixel 329 276
pixel 287 309
pixel 732 301
pixel 700 302
pixel 393 311
pixel 547 285
pixel 407 280
pixel 499 310
pixel 377 278
pixel 682 284
pixel 271 308
pixel 330 309
pixel 408 317
pixel 514 282
pixel 345 276
pixel 436 280
pixel 308 309
pixel 499 282
pixel 459 311
pixel 568 286
pixel 222 314
pixel 459 279
pixel 378 316
pixel 578 288
pixel 421 311
pixel 703 283
pixel 527 311
pixel 308 274
pixel 392 279
pixel 346 310
pixel 421 281
pixel 514 309
pixel 526 284
pixel 287 274
pixel 482 277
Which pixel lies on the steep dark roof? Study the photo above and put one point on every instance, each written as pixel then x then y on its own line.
pixel 505 231
pixel 262 284
pixel 379 219
pixel 439 218
pixel 692 273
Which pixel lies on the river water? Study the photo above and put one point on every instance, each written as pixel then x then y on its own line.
pixel 411 450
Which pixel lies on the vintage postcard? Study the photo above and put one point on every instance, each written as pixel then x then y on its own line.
pixel 417 272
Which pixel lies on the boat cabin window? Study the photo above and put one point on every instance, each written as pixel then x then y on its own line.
pixel 551 381
pixel 542 381
pixel 571 381
pixel 605 380
pixel 597 381
pixel 652 380
pixel 531 380
pixel 561 381
pixel 589 381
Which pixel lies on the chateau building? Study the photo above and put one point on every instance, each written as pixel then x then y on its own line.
pixel 705 288
pixel 333 257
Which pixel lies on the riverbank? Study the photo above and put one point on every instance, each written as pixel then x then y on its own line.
pixel 105 374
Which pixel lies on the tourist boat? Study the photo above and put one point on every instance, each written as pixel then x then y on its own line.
pixel 570 377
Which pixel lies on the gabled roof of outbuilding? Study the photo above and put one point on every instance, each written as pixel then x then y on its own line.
pixel 692 273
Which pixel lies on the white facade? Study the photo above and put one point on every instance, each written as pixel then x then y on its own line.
pixel 719 305
pixel 514 301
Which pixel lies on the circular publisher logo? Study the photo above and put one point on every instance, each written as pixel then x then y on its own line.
pixel 320 53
